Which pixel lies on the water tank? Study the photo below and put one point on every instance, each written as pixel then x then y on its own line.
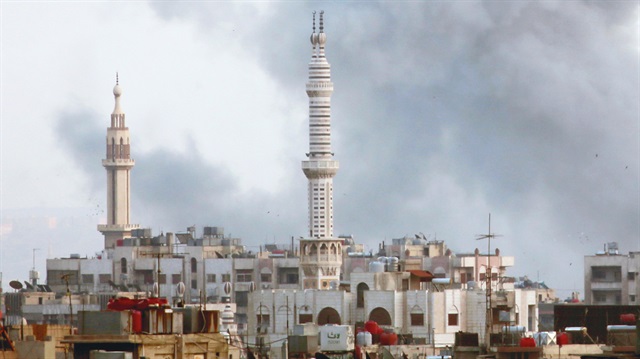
pixel 136 320
pixel 621 328
pixel 527 342
pixel 562 339
pixel 628 318
pixel 471 284
pixel 392 264
pixel 376 267
pixel 388 338
pixel 441 280
pixel 514 329
pixel 363 339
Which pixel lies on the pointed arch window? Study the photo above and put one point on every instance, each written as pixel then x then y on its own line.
pixel 121 150
pixel 360 294
pixel 113 148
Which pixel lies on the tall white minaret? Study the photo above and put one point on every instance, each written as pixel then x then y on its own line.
pixel 321 254
pixel 118 164
pixel 320 168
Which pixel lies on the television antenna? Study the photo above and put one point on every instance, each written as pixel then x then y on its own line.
pixel 489 314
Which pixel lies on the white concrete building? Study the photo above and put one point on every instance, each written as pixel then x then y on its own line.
pixel 611 277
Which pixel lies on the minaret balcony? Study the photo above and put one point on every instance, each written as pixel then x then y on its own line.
pixel 320 168
pixel 117 227
pixel 118 162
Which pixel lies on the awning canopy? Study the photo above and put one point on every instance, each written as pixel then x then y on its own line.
pixel 425 276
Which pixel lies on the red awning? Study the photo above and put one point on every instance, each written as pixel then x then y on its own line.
pixel 425 276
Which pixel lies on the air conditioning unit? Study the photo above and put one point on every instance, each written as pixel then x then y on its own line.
pixel 266 285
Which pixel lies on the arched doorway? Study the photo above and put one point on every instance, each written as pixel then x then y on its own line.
pixel 380 316
pixel 360 295
pixel 328 316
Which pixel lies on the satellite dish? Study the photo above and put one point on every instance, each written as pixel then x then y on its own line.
pixel 252 287
pixel 180 289
pixel 15 284
pixel 156 289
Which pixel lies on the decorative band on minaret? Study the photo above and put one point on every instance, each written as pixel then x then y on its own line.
pixel 320 168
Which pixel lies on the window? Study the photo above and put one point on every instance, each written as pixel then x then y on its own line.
pixel 483 277
pixel 226 277
pixel 123 265
pixel 147 276
pixel 62 276
pixel 288 275
pixel 194 284
pixel 305 318
pixel 242 299
pixel 176 278
pixel 631 276
pixel 104 278
pixel 211 278
pixel 291 278
pixel 244 275
pixel 417 319
pixel 194 265
pixel 263 322
pixel 453 319
pixel 599 297
pixel 87 279
pixel 360 295
pixel 632 298
pixel 597 273
pixel 265 277
pixel 162 279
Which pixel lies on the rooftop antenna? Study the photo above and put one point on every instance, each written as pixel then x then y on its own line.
pixel 65 277
pixel 33 274
pixel 489 317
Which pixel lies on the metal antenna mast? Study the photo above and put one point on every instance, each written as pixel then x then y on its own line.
pixel 489 314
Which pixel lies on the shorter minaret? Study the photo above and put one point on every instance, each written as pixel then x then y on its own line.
pixel 321 254
pixel 118 164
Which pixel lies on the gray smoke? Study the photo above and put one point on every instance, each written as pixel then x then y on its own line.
pixel 442 113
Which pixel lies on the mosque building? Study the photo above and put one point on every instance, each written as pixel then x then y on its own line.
pixel 322 279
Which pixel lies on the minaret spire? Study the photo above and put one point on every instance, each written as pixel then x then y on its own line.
pixel 320 168
pixel 118 164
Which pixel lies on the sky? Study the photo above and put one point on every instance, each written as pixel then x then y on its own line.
pixel 442 113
